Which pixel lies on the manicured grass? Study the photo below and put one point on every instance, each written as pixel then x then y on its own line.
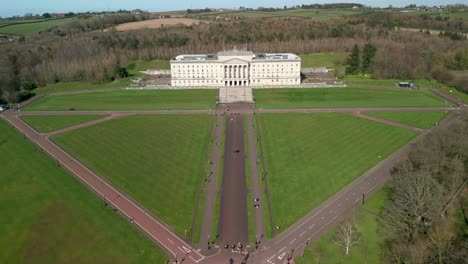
pixel 128 100
pixel 34 27
pixel 328 60
pixel 368 250
pixel 344 97
pixel 417 119
pixel 47 123
pixel 156 159
pixel 49 217
pixel 357 80
pixel 310 157
pixel 81 86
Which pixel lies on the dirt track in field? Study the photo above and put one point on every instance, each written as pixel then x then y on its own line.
pixel 158 23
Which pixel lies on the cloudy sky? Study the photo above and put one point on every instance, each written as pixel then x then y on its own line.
pixel 20 7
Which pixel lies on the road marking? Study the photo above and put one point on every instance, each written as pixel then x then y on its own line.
pixel 323 217
pixel 280 257
pixel 310 227
pixel 186 249
pixel 292 241
pixel 183 251
pixel 170 241
pixel 269 260
pixel 282 249
pixel 302 233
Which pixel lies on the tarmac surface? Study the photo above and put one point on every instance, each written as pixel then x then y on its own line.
pixel 233 212
pixel 233 221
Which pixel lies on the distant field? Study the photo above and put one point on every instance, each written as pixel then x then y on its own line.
pixel 456 15
pixel 417 119
pixel 344 97
pixel 328 60
pixel 128 100
pixel 31 28
pixel 316 14
pixel 157 23
pixel 49 217
pixel 156 159
pixel 368 250
pixel 47 123
pixel 310 157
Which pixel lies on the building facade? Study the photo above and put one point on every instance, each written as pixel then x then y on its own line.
pixel 236 68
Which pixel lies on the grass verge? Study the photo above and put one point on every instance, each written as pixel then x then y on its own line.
pixel 368 250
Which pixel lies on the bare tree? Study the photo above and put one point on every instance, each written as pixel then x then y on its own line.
pixel 414 206
pixel 346 235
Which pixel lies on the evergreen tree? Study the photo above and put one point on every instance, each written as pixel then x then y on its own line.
pixel 354 61
pixel 368 53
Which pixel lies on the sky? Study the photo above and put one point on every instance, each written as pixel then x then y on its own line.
pixel 20 7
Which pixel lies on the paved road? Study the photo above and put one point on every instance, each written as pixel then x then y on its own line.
pixel 233 221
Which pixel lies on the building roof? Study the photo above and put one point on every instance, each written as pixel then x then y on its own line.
pixel 233 53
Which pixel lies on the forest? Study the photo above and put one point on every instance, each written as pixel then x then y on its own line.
pixel 90 49
pixel 424 221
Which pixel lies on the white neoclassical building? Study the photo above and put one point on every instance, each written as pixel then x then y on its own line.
pixel 236 68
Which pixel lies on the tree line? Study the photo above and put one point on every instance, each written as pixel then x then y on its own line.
pixel 421 221
pixel 90 49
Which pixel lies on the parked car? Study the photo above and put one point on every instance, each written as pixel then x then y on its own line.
pixel 3 107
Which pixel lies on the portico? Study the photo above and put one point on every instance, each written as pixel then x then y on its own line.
pixel 235 68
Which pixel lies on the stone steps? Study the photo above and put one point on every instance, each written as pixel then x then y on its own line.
pixel 235 94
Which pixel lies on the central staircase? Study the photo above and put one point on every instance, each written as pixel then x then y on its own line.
pixel 235 94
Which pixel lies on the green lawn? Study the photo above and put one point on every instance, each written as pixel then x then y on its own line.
pixel 310 157
pixel 48 123
pixel 344 97
pixel 49 217
pixel 328 60
pixel 128 100
pixel 368 250
pixel 34 27
pixel 357 80
pixel 156 159
pixel 81 86
pixel 417 119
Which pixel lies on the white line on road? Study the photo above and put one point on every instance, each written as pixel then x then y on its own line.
pixel 302 233
pixel 282 249
pixel 170 241
pixel 292 241
pixel 310 227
